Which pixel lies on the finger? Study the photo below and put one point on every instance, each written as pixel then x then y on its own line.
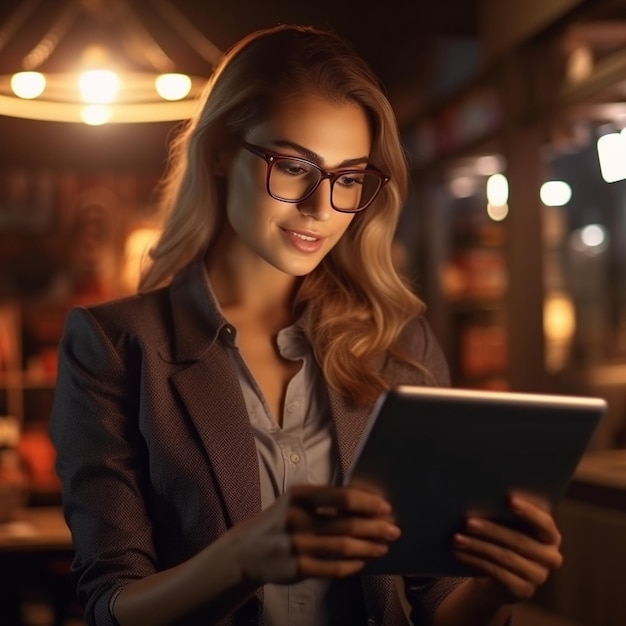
pixel 338 548
pixel 541 502
pixel 539 516
pixel 517 541
pixel 311 567
pixel 362 527
pixel 339 499
pixel 517 586
pixel 503 558
pixel 365 528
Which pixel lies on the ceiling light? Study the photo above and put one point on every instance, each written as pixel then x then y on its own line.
pixel 95 114
pixel 497 190
pixel 591 240
pixel 99 86
pixel 497 212
pixel 555 193
pixel 28 85
pixel 612 156
pixel 144 85
pixel 173 86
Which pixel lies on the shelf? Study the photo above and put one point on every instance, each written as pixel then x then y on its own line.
pixel 29 331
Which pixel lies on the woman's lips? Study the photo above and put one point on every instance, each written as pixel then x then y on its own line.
pixel 304 241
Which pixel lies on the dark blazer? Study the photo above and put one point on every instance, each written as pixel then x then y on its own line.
pixel 155 449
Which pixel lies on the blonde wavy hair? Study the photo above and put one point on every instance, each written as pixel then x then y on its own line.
pixel 356 302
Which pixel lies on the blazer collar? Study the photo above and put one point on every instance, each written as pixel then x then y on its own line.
pixel 197 318
pixel 349 424
pixel 210 390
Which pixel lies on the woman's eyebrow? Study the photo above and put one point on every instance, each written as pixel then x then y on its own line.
pixel 313 156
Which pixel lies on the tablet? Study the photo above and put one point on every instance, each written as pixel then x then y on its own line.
pixel 439 454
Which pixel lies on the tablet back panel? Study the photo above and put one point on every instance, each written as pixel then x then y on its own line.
pixel 438 454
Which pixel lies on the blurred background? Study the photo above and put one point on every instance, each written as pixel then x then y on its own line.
pixel 512 115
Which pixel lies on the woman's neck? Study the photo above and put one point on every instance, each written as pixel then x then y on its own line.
pixel 253 287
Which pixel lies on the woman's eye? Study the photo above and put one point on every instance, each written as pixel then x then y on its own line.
pixel 292 168
pixel 349 180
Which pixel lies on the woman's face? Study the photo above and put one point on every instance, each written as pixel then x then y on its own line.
pixel 294 237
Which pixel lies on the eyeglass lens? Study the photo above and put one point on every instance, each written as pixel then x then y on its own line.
pixel 293 180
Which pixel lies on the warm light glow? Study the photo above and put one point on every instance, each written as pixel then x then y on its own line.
pixel 28 85
pixel 593 235
pixel 137 112
pixel 56 92
pixel 173 86
pixel 489 164
pixel 99 86
pixel 559 326
pixel 462 187
pixel 612 156
pixel 559 317
pixel 136 249
pixel 590 241
pixel 497 190
pixel 497 212
pixel 95 114
pixel 579 64
pixel 555 193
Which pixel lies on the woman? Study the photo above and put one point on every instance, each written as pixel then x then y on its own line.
pixel 203 426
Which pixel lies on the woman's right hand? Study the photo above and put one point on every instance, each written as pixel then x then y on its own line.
pixel 314 531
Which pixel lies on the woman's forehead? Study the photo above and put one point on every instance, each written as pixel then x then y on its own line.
pixel 334 130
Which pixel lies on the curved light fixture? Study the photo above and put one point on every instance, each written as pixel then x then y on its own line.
pixel 94 92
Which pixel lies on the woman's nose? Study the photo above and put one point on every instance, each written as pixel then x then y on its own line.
pixel 318 205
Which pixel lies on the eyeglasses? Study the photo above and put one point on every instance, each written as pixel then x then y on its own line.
pixel 292 179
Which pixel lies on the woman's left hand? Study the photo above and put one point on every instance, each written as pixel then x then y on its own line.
pixel 515 563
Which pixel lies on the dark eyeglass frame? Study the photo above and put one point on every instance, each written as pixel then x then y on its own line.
pixel 271 158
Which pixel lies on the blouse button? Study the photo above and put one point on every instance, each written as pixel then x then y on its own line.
pixel 295 458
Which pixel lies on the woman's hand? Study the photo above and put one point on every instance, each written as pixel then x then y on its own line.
pixel 314 531
pixel 515 563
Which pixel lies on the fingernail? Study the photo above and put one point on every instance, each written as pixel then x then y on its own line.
pixel 474 524
pixel 516 503
pixel 460 540
pixel 393 532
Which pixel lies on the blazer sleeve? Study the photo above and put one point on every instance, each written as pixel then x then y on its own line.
pixel 101 460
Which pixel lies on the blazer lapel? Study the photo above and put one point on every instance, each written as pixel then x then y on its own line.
pixel 208 386
pixel 218 413
pixel 349 424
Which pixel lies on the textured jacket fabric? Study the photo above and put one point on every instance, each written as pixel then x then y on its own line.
pixel 155 449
